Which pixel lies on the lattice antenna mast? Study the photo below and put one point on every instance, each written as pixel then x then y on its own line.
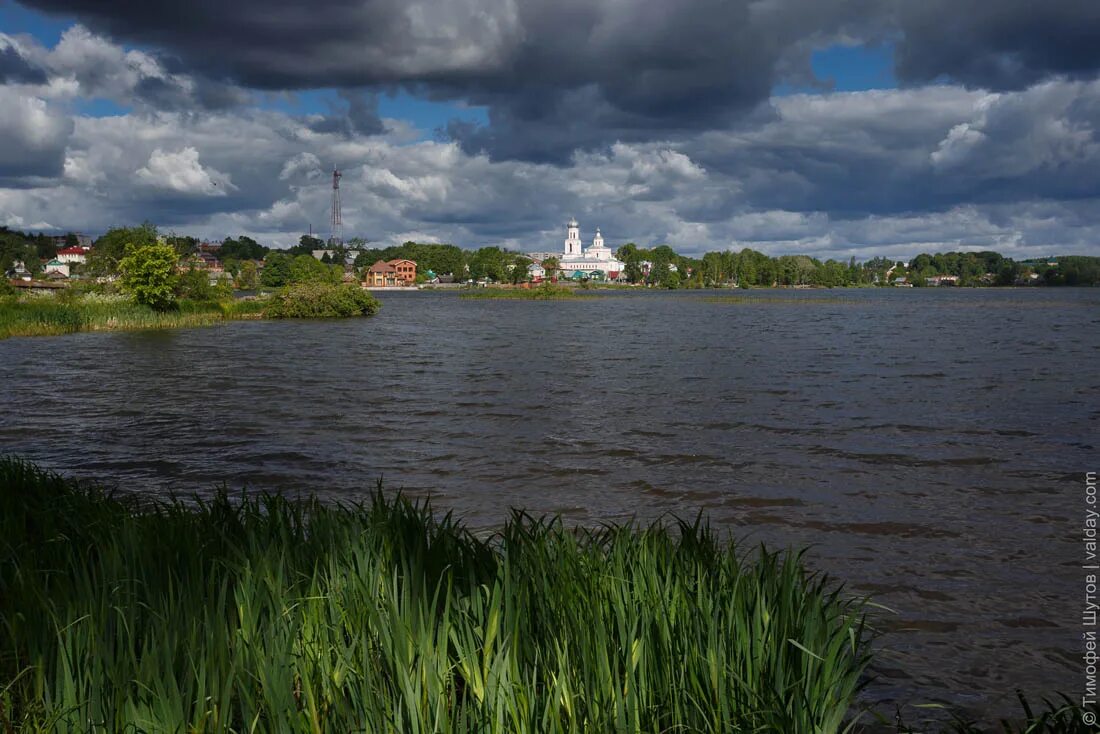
pixel 337 222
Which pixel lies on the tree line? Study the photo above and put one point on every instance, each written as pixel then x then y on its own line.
pixel 659 266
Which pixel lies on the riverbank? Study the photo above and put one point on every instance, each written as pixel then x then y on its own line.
pixel 301 616
pixel 69 313
pixel 308 617
pixel 43 316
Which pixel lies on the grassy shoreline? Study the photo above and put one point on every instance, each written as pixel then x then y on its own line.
pixel 264 614
pixel 49 317
pixel 540 293
pixel 71 313
pixel 270 615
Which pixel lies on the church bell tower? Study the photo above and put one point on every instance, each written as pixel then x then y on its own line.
pixel 573 239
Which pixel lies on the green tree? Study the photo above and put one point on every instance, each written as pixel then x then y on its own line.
pixel 308 269
pixel 248 276
pixel 632 259
pixel 232 266
pixel 517 269
pixel 714 269
pixel 487 262
pixel 149 275
pixel 184 246
pixel 45 246
pixel 242 248
pixel 109 250
pixel 16 246
pixel 551 265
pixel 276 270
pixel 195 284
pixel 306 245
pixel 627 252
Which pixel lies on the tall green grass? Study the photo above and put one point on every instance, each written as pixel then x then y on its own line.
pixel 545 292
pixel 260 614
pixel 47 316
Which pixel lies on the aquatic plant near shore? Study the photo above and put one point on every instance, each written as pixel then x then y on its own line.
pixel 264 614
pixel 46 316
pixel 540 293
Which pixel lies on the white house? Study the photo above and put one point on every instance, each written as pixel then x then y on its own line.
pixel 19 271
pixel 73 255
pixel 56 267
pixel 535 271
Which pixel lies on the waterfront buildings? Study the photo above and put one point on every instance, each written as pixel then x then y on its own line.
pixel 595 261
pixel 392 274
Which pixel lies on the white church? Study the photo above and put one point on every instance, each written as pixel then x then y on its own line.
pixel 595 261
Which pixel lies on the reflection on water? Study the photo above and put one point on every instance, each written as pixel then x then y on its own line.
pixel 927 444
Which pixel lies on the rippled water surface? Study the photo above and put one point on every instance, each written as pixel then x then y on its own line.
pixel 928 444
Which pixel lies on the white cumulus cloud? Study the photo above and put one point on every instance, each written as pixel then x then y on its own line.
pixel 181 171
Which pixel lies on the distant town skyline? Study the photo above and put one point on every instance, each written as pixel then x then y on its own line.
pixel 827 128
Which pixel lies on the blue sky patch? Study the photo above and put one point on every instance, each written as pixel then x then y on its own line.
pixel 15 20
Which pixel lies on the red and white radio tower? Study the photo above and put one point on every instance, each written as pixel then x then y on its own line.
pixel 337 223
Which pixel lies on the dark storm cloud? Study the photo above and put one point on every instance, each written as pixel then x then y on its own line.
pixel 16 69
pixel 356 115
pixel 998 44
pixel 558 75
pixel 874 153
pixel 170 93
pixel 555 74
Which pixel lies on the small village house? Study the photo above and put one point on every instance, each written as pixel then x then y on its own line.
pixel 71 255
pixel 203 261
pixel 56 268
pixel 19 271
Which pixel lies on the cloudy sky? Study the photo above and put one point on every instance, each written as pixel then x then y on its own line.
pixel 827 127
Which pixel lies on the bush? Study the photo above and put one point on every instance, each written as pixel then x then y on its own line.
pixel 195 285
pixel 149 275
pixel 321 301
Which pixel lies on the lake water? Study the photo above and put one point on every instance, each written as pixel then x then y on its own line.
pixel 929 445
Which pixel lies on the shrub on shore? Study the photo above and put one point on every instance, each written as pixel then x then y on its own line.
pixel 148 274
pixel 264 614
pixel 318 300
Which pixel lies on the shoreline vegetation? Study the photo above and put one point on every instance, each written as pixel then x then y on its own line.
pixel 242 262
pixel 260 613
pixel 74 311
pixel 545 292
